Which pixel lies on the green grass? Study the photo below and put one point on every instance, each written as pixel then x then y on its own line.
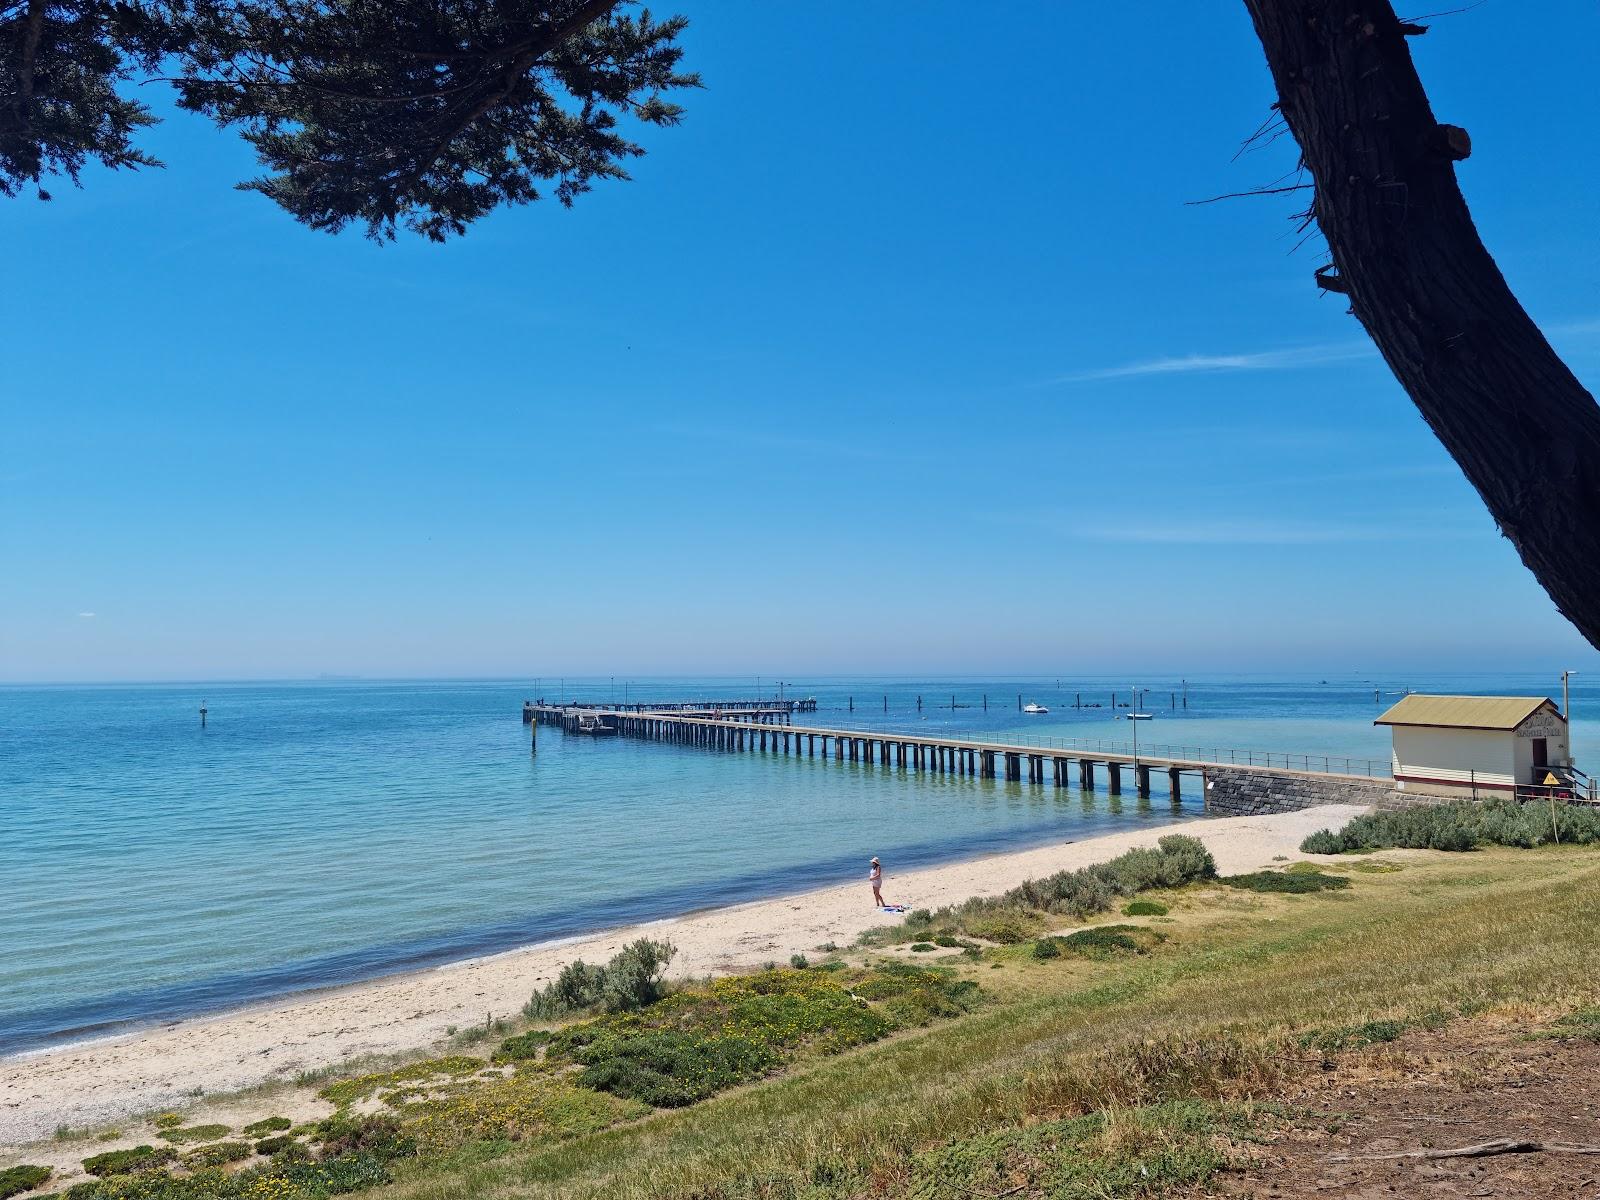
pixel 1145 908
pixel 183 1135
pixel 267 1125
pixel 1293 883
pixel 1208 1018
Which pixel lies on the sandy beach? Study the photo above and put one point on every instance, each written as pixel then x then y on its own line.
pixel 101 1082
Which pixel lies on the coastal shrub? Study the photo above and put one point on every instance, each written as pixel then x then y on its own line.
pixel 269 1146
pixel 946 940
pixel 1144 908
pixel 1047 948
pixel 523 1047
pixel 267 1125
pixel 1001 927
pixel 669 1069
pixel 21 1178
pixel 1461 825
pixel 631 980
pixel 1018 914
pixel 701 1040
pixel 799 962
pixel 195 1133
pixel 122 1162
pixel 1296 884
pixel 218 1154
pixel 345 1092
pixel 922 947
pixel 379 1136
pixel 1103 941
pixel 168 1120
pixel 526 1106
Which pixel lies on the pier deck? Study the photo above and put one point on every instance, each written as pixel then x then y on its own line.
pixel 773 730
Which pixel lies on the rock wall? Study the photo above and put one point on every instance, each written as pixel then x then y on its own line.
pixel 1236 793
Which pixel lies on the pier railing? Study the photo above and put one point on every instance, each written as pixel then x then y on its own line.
pixel 1329 764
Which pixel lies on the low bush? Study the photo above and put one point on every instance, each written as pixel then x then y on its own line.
pixel 22 1178
pixel 1369 1033
pixel 1021 913
pixel 701 1040
pixel 1144 908
pixel 922 947
pixel 218 1154
pixel 1102 941
pixel 195 1133
pixel 345 1092
pixel 123 1162
pixel 267 1125
pixel 631 980
pixel 516 1108
pixel 168 1120
pixel 375 1135
pixel 1299 883
pixel 267 1147
pixel 1461 825
pixel 799 962
pixel 524 1047
pixel 667 1068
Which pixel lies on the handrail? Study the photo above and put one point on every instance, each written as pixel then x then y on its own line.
pixel 1327 764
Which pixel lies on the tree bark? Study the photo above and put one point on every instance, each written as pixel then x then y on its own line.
pixel 1513 416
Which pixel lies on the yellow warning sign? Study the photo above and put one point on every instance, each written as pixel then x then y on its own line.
pixel 1550 779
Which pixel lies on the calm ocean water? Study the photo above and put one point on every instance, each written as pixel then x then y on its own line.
pixel 314 834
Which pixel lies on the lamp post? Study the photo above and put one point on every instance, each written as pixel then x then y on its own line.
pixel 1566 696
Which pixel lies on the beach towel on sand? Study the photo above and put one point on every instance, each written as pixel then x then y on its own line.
pixel 893 908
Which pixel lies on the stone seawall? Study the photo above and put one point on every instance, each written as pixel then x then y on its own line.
pixel 1231 792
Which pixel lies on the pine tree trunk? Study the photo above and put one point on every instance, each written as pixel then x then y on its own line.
pixel 1509 411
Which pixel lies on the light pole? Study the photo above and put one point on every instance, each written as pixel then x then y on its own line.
pixel 1566 698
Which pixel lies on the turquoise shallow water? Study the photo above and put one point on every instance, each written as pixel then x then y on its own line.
pixel 318 833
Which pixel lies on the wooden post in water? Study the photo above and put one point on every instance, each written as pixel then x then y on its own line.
pixel 886 704
pixel 852 704
pixel 919 703
pixel 202 714
pixel 533 728
pixel 1077 699
pixel 1019 701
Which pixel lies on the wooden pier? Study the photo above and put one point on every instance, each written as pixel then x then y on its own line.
pixel 772 731
pixel 774 708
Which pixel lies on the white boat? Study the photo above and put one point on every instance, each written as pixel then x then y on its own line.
pixel 1137 716
pixel 1034 709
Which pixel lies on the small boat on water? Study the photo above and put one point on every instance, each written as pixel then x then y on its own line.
pixel 595 725
pixel 1138 716
pixel 1034 709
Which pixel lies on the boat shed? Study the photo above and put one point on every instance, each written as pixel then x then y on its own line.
pixel 1466 745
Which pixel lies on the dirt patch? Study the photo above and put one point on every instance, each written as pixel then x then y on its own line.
pixel 1471 1082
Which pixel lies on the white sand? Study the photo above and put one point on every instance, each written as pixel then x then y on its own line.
pixel 103 1082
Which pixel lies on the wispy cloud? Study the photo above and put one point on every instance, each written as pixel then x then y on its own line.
pixel 1290 358
pixel 86 615
pixel 1229 531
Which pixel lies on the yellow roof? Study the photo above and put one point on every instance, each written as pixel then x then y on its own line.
pixel 1464 712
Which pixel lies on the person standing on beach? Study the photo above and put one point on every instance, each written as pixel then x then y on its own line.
pixel 875 878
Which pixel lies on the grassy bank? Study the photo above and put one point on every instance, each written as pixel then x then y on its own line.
pixel 1129 1060
pixel 1246 989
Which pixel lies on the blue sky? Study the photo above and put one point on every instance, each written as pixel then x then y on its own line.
pixel 903 353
